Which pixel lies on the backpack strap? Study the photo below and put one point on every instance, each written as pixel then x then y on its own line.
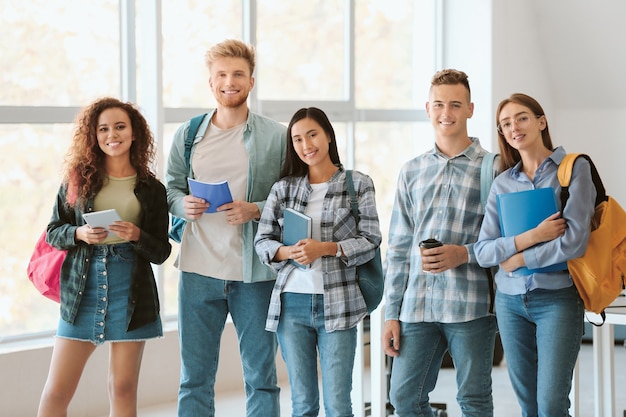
pixel 354 203
pixel 486 177
pixel 194 125
pixel 565 176
pixel 178 224
pixel 566 166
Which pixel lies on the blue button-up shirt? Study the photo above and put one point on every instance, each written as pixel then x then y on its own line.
pixel 492 249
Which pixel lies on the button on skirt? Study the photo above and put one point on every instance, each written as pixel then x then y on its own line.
pixel 102 312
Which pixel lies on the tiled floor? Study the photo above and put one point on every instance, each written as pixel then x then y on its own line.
pixel 505 404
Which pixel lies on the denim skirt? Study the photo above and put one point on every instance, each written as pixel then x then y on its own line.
pixel 101 315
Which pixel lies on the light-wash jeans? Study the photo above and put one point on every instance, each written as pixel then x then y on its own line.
pixel 422 347
pixel 541 333
pixel 301 334
pixel 203 305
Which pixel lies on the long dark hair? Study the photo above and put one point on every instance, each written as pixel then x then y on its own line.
pixel 294 166
pixel 509 155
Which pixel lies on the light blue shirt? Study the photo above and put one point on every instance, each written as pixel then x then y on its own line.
pixel 492 249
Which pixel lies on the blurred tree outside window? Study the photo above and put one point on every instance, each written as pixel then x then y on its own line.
pixel 190 27
pixel 301 50
pixel 58 53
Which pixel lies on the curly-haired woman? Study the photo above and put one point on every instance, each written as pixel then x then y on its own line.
pixel 108 291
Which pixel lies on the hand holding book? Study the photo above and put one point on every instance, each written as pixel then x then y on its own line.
pixel 216 194
pixel 522 211
pixel 296 226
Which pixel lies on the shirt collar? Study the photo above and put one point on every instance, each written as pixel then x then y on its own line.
pixel 556 157
pixel 472 152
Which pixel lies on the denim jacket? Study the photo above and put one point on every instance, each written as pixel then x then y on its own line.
pixel 264 140
pixel 153 246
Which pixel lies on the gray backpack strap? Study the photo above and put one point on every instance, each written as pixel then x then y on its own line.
pixel 486 177
pixel 194 125
pixel 354 202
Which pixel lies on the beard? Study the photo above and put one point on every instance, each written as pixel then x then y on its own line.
pixel 231 101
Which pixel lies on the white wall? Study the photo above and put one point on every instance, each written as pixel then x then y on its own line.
pixel 23 375
pixel 601 134
pixel 518 56
pixel 520 65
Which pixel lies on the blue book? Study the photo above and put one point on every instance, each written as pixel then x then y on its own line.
pixel 296 226
pixel 524 210
pixel 216 194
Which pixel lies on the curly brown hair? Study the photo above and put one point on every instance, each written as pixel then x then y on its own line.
pixel 84 162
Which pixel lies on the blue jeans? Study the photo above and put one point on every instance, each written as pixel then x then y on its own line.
pixel 301 334
pixel 203 305
pixel 422 347
pixel 541 333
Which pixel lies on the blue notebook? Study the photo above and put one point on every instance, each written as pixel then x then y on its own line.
pixel 524 210
pixel 296 226
pixel 215 194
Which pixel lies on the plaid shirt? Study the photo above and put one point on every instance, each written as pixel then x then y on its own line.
pixel 344 306
pixel 437 197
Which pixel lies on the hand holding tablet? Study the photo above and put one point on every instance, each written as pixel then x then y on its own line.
pixel 102 218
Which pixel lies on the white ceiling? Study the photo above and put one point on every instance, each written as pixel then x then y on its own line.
pixel 584 45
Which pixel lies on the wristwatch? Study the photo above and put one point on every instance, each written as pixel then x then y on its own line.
pixel 338 254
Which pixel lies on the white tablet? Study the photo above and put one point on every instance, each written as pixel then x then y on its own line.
pixel 101 218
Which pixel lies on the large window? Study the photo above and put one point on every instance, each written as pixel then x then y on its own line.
pixel 394 53
pixel 363 62
pixel 30 157
pixel 302 50
pixel 55 57
pixel 58 53
pixel 190 27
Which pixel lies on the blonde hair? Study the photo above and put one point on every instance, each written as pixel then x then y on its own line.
pixel 231 48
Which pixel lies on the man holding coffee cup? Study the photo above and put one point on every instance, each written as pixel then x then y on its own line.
pixel 428 244
pixel 437 296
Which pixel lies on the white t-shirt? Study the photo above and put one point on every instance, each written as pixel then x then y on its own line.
pixel 311 280
pixel 212 247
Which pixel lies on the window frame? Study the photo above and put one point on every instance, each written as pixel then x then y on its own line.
pixel 149 20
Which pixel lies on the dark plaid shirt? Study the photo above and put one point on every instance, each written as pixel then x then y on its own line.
pixel 344 306
pixel 153 246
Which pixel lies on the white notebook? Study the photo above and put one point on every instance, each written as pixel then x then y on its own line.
pixel 102 218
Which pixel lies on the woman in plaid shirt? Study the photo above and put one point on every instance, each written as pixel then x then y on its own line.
pixel 316 303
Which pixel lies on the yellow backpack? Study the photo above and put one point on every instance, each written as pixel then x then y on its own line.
pixel 599 273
